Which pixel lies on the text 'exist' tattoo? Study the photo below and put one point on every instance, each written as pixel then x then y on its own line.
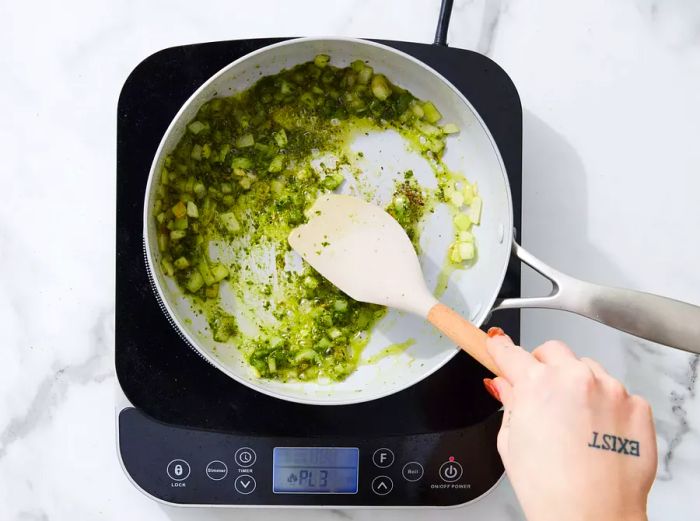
pixel 615 444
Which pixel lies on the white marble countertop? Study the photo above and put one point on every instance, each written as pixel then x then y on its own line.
pixel 611 97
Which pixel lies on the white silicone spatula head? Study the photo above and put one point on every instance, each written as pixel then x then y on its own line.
pixel 363 251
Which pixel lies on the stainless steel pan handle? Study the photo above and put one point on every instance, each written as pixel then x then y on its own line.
pixel 652 317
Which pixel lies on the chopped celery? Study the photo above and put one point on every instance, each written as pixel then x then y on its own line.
pixel 340 305
pixel 468 192
pixel 450 128
pixel 276 186
pixel 223 152
pixel 285 87
pixel 324 343
pixel 219 271
pixel 432 114
pixel 380 87
pixel 246 183
pixel 455 198
pixel 206 273
pixel 365 75
pixel 167 267
pixel 333 181
pixel 475 210
pixel 241 162
pixel 321 60
pixel 334 333
pixel 212 291
pixel 230 222
pixel 306 354
pixel 426 128
pixel 206 151
pixel 244 141
pixel 182 263
pixel 417 109
pixel 199 190
pixel 466 250
pixel 176 235
pixel 162 242
pixel 310 282
pixel 281 138
pixel 357 65
pixel 454 254
pixel 160 217
pixel 465 236
pixel 194 282
pixel 180 224
pixel 196 127
pixel 462 221
pixel 277 164
pixel 223 328
pixel 192 210
pixel 179 210
pixel 196 153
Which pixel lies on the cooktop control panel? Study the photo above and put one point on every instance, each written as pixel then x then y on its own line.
pixel 187 466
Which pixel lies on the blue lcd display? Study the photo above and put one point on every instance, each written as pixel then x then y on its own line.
pixel 315 470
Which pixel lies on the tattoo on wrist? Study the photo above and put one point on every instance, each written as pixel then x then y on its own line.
pixel 614 443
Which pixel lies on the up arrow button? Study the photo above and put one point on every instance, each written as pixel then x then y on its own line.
pixel 382 485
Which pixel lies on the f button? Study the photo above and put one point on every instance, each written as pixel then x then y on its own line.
pixel 383 458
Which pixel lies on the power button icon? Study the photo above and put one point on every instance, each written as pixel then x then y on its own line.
pixel 450 471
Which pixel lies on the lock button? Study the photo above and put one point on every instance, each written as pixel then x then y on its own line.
pixel 178 470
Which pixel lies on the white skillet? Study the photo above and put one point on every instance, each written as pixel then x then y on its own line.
pixel 472 293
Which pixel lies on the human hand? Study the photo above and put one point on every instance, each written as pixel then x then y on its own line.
pixel 575 445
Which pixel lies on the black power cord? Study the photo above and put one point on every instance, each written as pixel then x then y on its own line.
pixel 443 23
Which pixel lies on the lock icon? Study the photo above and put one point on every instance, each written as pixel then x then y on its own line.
pixel 178 470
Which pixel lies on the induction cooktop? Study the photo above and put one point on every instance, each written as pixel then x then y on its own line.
pixel 190 435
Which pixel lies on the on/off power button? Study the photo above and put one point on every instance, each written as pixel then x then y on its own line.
pixel 450 471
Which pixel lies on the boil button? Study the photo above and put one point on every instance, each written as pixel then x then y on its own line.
pixel 412 471
pixel 450 471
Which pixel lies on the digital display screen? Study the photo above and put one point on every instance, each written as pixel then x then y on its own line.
pixel 315 470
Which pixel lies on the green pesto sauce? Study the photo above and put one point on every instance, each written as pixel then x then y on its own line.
pixel 241 178
pixel 392 350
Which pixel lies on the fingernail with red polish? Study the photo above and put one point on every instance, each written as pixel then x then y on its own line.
pixel 488 383
pixel 495 331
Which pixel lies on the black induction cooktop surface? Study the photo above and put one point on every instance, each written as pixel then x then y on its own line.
pixel 171 383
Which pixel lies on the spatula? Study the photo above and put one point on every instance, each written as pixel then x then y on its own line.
pixel 366 253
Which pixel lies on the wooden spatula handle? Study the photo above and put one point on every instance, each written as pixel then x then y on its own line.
pixel 463 333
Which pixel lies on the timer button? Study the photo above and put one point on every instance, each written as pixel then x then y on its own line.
pixel 450 471
pixel 244 484
pixel 383 458
pixel 382 485
pixel 412 471
pixel 178 470
pixel 245 457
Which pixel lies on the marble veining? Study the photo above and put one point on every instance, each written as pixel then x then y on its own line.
pixel 611 117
